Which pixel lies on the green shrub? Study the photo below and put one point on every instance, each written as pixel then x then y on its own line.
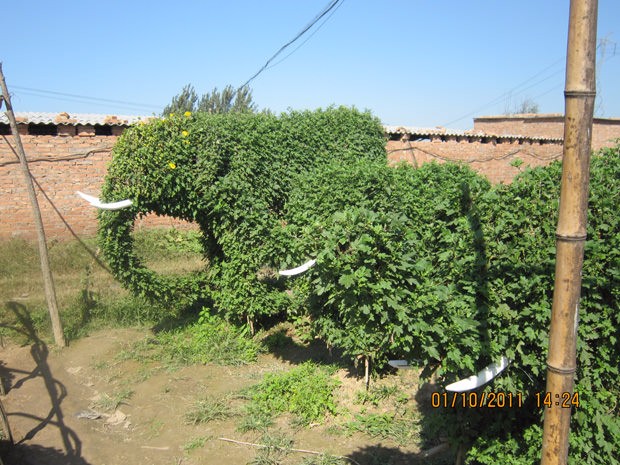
pixel 397 252
pixel 519 239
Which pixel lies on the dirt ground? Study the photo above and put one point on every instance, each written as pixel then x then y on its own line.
pixel 52 396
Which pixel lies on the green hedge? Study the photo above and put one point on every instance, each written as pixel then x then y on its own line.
pixel 231 174
pixel 430 264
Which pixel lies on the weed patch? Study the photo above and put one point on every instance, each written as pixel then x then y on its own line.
pixel 277 446
pixel 306 391
pixel 109 403
pixel 403 430
pixel 195 443
pixel 209 340
pixel 210 409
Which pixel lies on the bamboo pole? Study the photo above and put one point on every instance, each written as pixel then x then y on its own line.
pixel 571 230
pixel 50 292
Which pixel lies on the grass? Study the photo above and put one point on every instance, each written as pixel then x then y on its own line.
pixel 195 443
pixel 209 409
pixel 88 296
pixel 401 429
pixel 211 340
pixel 277 446
pixel 155 427
pixel 109 403
pixel 324 459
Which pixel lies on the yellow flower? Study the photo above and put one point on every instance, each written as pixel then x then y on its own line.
pixel 188 114
pixel 171 115
pixel 185 133
pixel 172 165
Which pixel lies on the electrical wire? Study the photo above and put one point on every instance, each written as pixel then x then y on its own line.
pixel 330 6
pixel 601 46
pixel 318 28
pixel 63 96
pixel 515 90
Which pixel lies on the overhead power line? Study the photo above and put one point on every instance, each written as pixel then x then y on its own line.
pixel 516 90
pixel 317 29
pixel 83 98
pixel 329 7
pixel 603 47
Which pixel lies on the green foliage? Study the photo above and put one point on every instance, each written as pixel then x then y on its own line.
pixel 195 443
pixel 520 244
pixel 227 100
pixel 401 429
pixel 275 447
pixel 306 391
pixel 374 395
pixel 110 402
pixel 395 248
pixel 184 101
pixel 430 264
pixel 324 459
pixel 231 174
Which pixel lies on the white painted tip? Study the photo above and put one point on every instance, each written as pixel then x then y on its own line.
pixel 300 269
pixel 95 202
pixel 400 364
pixel 483 377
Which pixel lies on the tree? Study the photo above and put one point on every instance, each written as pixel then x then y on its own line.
pixel 527 105
pixel 228 100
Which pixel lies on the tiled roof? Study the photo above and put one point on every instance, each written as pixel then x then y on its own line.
pixel 424 131
pixel 92 119
pixel 74 119
pixel 443 132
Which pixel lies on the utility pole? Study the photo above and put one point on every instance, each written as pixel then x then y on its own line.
pixel 50 292
pixel 579 95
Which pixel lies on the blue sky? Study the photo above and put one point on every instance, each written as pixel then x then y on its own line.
pixel 411 62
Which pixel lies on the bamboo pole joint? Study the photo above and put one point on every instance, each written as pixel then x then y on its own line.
pixel 579 93
pixel 561 371
pixel 570 238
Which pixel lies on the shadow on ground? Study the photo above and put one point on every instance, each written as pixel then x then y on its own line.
pixel 14 378
pixel 24 454
pixel 384 455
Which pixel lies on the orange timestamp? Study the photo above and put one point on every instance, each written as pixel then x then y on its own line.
pixel 557 399
pixel 476 399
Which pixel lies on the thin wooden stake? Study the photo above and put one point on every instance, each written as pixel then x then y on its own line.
pixel 301 451
pixel 48 282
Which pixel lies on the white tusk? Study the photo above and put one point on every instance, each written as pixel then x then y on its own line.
pixel 399 364
pixel 483 377
pixel 95 202
pixel 299 269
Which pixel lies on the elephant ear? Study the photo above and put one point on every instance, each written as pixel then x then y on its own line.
pixel 153 168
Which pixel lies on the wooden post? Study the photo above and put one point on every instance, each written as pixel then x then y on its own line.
pixel 50 292
pixel 571 229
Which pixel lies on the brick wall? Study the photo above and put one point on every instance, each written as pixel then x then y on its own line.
pixel 76 159
pixel 60 165
pixel 604 130
pixel 489 156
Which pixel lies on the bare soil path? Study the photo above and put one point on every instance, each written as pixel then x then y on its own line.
pixel 85 405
